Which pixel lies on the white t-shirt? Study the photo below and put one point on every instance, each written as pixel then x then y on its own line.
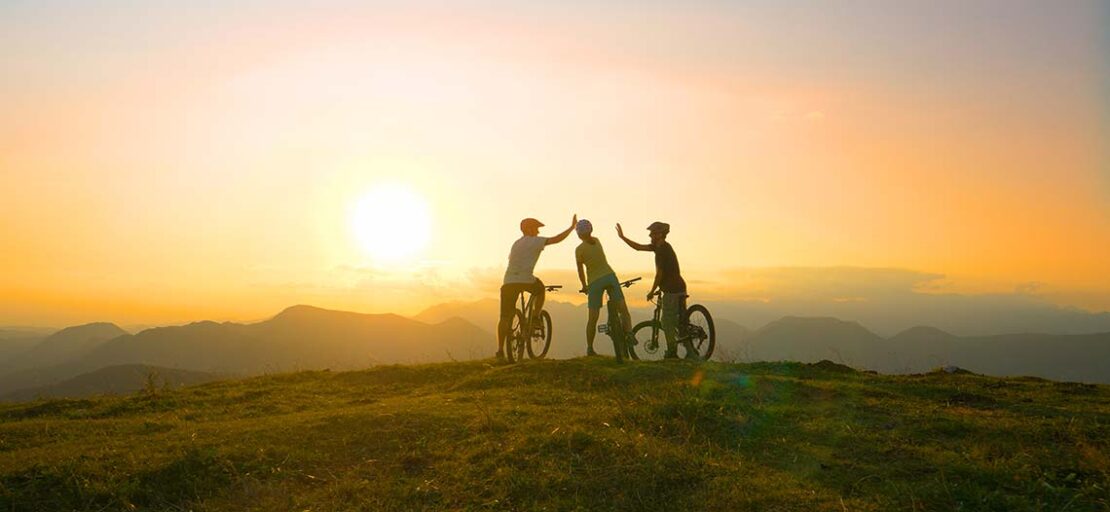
pixel 522 259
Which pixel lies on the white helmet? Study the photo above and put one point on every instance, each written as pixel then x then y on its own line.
pixel 584 227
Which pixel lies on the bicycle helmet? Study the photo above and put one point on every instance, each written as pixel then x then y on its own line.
pixel 584 227
pixel 661 227
pixel 530 222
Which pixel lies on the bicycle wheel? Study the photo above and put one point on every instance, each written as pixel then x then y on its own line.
pixel 642 346
pixel 616 333
pixel 514 344
pixel 540 340
pixel 701 330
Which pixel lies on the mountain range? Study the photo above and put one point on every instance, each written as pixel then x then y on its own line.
pixel 1068 357
pixel 298 338
pixel 66 362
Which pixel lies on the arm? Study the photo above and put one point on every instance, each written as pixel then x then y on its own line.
pixel 582 275
pixel 655 283
pixel 634 245
pixel 563 236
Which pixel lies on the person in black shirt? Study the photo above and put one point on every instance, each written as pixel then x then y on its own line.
pixel 668 279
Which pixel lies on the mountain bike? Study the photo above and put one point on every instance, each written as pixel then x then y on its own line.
pixel 537 340
pixel 698 328
pixel 615 328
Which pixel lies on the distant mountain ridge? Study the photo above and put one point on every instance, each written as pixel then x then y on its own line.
pixel 1070 357
pixel 64 345
pixel 811 339
pixel 298 338
pixel 306 337
pixel 1079 357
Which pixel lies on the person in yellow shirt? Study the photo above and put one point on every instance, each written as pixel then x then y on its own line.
pixel 597 278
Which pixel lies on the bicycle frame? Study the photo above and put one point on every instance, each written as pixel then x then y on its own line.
pixel 618 334
pixel 520 336
pixel 526 307
pixel 656 321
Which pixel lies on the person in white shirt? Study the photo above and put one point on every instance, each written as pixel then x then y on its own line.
pixel 519 275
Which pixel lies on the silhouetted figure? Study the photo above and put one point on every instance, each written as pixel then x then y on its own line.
pixel 668 280
pixel 519 275
pixel 590 258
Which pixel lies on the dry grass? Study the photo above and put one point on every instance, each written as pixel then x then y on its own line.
pixel 568 435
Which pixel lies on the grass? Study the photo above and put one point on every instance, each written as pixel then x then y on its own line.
pixel 583 434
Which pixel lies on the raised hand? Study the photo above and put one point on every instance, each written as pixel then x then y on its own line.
pixel 620 232
pixel 574 221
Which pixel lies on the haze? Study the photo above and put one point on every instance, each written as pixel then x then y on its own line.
pixel 174 161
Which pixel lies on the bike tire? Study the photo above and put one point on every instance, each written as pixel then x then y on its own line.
pixel 641 332
pixel 620 348
pixel 703 332
pixel 514 350
pixel 538 346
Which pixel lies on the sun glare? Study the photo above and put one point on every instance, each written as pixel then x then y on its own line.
pixel 391 222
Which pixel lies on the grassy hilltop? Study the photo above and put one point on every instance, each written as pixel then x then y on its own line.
pixel 565 435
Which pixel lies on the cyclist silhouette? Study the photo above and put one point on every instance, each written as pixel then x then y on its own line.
pixel 519 275
pixel 668 280
pixel 590 258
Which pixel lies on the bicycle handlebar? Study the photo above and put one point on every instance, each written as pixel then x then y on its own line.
pixel 553 287
pixel 630 282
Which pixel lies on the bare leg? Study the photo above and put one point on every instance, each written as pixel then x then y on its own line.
pixel 591 329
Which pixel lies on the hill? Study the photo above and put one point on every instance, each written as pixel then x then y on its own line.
pixel 64 345
pixel 19 331
pixel 583 434
pixel 1072 357
pixel 15 344
pixel 298 338
pixel 810 340
pixel 120 379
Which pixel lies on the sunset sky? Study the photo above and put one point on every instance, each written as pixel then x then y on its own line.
pixel 173 161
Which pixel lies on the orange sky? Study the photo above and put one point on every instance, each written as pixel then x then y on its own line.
pixel 168 163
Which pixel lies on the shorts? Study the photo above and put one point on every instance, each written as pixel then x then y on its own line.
pixel 609 283
pixel 673 317
pixel 509 292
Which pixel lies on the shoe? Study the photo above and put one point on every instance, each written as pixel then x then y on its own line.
pixel 500 356
pixel 590 352
pixel 693 355
pixel 670 355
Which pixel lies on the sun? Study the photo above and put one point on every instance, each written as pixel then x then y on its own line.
pixel 391 222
